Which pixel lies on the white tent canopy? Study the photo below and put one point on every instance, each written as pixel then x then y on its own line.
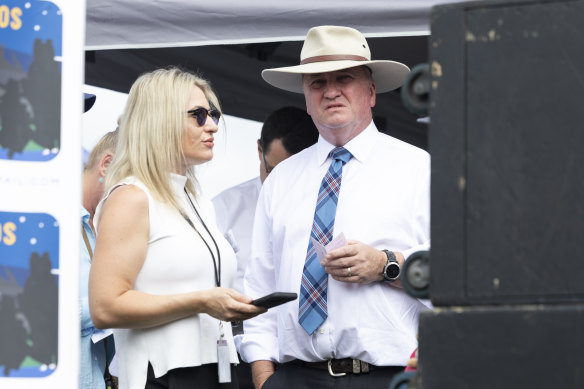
pixel 231 42
pixel 118 24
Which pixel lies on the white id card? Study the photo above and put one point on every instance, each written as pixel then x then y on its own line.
pixel 223 361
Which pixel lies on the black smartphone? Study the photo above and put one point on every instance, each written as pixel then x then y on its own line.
pixel 274 299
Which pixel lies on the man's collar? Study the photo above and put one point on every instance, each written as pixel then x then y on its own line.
pixel 359 146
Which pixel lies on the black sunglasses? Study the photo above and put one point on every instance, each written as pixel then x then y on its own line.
pixel 201 115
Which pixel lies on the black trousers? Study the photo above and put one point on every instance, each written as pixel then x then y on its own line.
pixel 204 376
pixel 291 375
pixel 243 371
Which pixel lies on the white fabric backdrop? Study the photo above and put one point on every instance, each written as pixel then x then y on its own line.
pixel 114 24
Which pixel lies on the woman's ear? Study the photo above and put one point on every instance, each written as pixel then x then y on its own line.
pixel 104 163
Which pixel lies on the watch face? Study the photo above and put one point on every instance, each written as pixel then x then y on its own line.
pixel 392 271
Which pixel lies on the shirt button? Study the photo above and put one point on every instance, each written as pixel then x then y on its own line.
pixel 322 331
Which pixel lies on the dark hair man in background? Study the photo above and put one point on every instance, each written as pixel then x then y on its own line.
pixel 285 132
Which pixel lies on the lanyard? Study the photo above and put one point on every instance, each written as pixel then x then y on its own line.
pixel 217 269
pixel 86 239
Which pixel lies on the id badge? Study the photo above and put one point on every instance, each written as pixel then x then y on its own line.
pixel 223 361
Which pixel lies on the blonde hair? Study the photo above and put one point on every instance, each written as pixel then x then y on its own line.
pixel 151 131
pixel 107 144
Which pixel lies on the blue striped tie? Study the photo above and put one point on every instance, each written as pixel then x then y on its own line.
pixel 313 287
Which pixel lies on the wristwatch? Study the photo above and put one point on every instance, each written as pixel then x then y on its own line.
pixel 391 270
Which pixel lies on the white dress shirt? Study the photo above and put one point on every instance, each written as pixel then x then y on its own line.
pixel 235 209
pixel 383 202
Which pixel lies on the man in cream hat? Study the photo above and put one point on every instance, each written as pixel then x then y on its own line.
pixel 363 193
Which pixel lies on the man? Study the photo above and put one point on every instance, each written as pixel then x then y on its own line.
pixel 352 326
pixel 285 132
pixel 94 354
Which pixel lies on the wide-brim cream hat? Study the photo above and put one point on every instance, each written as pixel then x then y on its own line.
pixel 331 48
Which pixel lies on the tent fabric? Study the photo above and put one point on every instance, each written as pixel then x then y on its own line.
pixel 235 73
pixel 119 24
pixel 231 41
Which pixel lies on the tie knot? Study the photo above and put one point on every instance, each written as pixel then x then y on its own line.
pixel 340 154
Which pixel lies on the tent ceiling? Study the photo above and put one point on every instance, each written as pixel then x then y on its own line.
pixel 234 71
pixel 171 23
pixel 230 42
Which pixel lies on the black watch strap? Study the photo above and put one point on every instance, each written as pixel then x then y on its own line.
pixel 391 270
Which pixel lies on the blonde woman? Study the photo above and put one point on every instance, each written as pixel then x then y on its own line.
pixel 161 268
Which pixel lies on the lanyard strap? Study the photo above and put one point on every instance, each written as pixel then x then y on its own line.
pixel 86 239
pixel 216 267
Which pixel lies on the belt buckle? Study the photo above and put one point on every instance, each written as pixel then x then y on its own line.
pixel 331 372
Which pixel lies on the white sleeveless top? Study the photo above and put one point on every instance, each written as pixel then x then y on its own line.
pixel 177 261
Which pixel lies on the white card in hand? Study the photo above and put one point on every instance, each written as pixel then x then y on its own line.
pixel 321 250
pixel 337 242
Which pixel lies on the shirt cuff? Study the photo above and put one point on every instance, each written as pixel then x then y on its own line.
pixel 257 347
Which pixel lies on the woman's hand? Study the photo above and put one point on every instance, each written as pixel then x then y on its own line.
pixel 229 305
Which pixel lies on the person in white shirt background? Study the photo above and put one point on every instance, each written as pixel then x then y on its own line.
pixel 94 358
pixel 285 132
pixel 369 327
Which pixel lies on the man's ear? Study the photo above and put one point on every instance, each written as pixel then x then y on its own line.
pixel 260 150
pixel 372 97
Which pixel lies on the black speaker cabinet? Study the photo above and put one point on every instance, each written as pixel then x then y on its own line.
pixel 506 139
pixel 502 347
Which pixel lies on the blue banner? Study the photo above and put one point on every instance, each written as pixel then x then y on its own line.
pixel 29 268
pixel 30 80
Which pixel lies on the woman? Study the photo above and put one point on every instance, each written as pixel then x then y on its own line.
pixel 160 266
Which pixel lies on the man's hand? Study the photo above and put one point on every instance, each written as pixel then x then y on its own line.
pixel 356 262
pixel 261 371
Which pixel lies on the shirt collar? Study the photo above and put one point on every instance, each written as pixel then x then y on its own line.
pixel 360 146
pixel 178 182
pixel 258 183
pixel 84 215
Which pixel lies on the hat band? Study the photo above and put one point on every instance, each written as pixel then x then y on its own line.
pixel 338 57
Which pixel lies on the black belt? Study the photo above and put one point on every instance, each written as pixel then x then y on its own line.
pixel 340 367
